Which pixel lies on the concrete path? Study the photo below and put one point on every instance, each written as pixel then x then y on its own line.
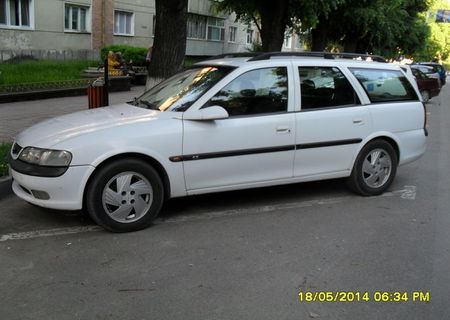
pixel 16 116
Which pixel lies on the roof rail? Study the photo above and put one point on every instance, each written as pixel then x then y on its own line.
pixel 319 54
pixel 235 55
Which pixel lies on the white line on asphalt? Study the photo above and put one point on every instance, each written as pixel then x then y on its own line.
pixel 409 193
pixel 48 233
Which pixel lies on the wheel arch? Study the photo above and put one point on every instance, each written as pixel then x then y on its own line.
pixel 146 158
pixel 392 141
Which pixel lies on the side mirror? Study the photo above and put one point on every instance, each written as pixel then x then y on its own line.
pixel 209 113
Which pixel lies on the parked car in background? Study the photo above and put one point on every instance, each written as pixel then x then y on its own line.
pixel 428 87
pixel 428 71
pixel 436 68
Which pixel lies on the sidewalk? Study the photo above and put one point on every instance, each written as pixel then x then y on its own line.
pixel 16 116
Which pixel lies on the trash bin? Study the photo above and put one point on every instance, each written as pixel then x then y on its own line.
pixel 97 94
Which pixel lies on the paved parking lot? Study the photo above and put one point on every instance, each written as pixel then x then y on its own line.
pixel 244 254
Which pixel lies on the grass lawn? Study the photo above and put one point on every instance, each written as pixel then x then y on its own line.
pixel 4 149
pixel 43 70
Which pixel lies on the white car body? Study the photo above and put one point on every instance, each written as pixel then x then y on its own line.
pixel 94 136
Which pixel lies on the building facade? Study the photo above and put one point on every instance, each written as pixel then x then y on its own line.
pixel 74 25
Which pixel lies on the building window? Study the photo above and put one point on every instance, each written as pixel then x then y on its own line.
pixel 249 36
pixel 196 26
pixel 298 42
pixel 153 25
pixel 123 23
pixel 233 31
pixel 76 18
pixel 16 13
pixel 287 41
pixel 216 29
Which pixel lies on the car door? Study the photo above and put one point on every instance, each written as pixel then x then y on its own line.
pixel 255 144
pixel 331 123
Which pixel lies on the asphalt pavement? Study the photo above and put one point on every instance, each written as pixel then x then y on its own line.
pixel 252 254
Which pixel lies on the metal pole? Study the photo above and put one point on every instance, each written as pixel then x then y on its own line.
pixel 106 84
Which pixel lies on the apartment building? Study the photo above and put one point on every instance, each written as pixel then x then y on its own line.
pixel 91 24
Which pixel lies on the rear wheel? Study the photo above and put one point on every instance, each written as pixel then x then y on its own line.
pixel 125 195
pixel 374 168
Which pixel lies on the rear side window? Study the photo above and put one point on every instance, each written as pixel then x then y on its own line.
pixel 323 87
pixel 385 85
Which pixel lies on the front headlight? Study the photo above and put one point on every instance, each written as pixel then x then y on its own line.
pixel 46 157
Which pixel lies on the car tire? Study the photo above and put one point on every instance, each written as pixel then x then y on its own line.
pixel 125 195
pixel 374 168
pixel 425 95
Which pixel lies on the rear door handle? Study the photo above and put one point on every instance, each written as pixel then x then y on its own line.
pixel 358 121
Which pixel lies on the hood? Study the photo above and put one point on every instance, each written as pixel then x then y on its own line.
pixel 52 131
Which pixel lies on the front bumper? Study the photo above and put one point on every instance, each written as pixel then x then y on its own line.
pixel 65 192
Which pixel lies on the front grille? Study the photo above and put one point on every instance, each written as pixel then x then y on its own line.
pixel 15 149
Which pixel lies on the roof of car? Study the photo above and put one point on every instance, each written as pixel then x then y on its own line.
pixel 246 58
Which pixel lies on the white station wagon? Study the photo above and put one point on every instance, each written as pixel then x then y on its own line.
pixel 232 122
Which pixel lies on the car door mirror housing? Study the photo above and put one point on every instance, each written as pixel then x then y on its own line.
pixel 209 113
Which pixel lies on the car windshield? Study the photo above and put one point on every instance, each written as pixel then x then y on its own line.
pixel 180 91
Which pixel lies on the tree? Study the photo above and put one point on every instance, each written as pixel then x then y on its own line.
pixel 437 44
pixel 374 26
pixel 169 45
pixel 273 18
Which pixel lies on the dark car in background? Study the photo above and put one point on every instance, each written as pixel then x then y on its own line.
pixel 436 68
pixel 428 71
pixel 428 87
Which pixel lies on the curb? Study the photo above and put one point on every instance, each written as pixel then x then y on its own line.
pixel 5 187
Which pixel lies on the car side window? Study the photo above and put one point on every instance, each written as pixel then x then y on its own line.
pixel 418 74
pixel 385 85
pixel 323 87
pixel 255 92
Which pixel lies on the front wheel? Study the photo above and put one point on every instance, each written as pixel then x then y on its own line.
pixel 125 195
pixel 374 168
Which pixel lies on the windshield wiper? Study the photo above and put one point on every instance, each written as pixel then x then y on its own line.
pixel 146 103
pixel 134 102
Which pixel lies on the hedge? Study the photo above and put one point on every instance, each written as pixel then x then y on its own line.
pixel 137 55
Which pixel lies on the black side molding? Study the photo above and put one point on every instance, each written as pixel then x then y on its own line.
pixel 242 152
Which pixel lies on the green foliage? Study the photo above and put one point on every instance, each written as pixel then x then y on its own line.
pixel 136 54
pixel 273 18
pixel 5 147
pixel 437 44
pixel 386 27
pixel 305 11
pixel 255 47
pixel 43 70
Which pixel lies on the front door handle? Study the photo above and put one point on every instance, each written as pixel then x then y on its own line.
pixel 358 121
pixel 283 130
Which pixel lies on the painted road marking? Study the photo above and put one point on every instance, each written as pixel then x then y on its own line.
pixel 408 193
pixel 48 233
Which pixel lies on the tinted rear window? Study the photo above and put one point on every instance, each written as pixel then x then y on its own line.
pixel 385 85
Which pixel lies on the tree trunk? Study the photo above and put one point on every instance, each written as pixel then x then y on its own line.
pixel 169 45
pixel 274 15
pixel 319 39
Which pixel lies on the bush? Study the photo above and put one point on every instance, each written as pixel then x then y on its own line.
pixel 137 55
pixel 255 47
pixel 4 149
